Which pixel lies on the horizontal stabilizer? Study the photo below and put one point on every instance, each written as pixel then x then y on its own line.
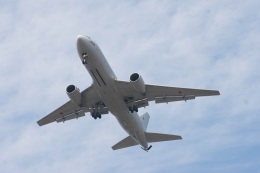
pixel 157 137
pixel 127 142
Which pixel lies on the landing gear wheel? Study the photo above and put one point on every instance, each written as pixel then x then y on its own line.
pixel 94 115
pixel 131 109
pixel 98 115
pixel 84 61
pixel 135 109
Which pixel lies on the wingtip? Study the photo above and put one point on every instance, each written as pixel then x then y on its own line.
pixel 215 93
pixel 39 123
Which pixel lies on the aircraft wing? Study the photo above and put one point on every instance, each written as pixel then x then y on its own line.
pixel 160 94
pixel 69 110
pixel 155 92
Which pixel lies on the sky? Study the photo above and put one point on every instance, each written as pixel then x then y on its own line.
pixel 195 44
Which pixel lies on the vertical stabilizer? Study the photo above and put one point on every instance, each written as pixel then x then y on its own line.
pixel 145 119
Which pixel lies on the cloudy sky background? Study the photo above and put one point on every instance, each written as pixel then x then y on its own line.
pixel 198 44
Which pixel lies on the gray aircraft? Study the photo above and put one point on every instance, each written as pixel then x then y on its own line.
pixel 120 98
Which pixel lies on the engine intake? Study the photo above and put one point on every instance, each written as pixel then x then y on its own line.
pixel 138 82
pixel 74 94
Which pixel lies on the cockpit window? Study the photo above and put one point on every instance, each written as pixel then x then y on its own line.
pixel 92 42
pixel 87 36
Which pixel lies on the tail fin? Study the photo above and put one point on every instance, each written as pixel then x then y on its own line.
pixel 157 137
pixel 145 119
pixel 127 142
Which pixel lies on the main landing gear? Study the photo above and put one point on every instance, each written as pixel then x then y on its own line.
pixel 96 115
pixel 133 109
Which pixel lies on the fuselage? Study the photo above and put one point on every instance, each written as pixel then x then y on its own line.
pixel 104 82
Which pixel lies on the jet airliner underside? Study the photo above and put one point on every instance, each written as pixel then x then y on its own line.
pixel 120 98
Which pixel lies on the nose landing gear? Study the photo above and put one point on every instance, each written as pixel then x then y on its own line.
pixel 84 60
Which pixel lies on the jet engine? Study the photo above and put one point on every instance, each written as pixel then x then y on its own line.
pixel 74 94
pixel 137 82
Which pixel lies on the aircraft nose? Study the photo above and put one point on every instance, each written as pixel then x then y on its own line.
pixel 82 42
pixel 81 39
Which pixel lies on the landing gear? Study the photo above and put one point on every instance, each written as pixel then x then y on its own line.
pixel 133 109
pixel 96 115
pixel 84 60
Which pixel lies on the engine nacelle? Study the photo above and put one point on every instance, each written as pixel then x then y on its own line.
pixel 74 94
pixel 138 82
